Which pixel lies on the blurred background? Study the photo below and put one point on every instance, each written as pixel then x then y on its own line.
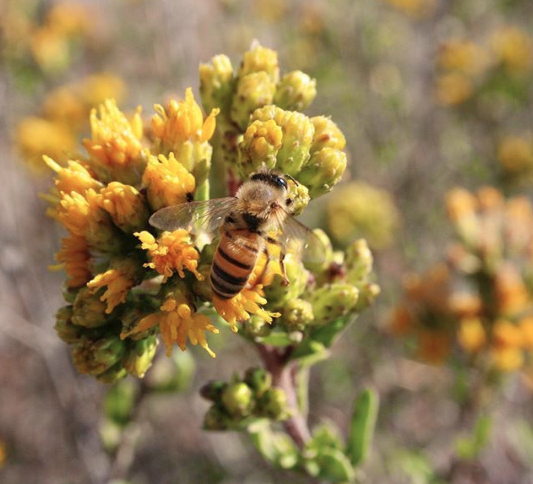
pixel 430 94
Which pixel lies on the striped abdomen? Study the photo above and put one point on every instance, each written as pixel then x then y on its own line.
pixel 233 262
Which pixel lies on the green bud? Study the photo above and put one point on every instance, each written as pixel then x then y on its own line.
pixel 274 404
pixel 276 293
pixel 327 135
pixel 256 327
pixel 113 374
pixel 368 292
pixel 89 311
pixel 260 59
pixel 94 357
pixel 213 390
pixel 298 132
pixel 216 419
pixel 140 355
pixel 237 399
pixel 67 332
pixel 295 91
pixel 253 91
pixel 321 264
pixel 296 315
pixel 333 301
pixel 323 171
pixel 359 261
pixel 216 83
pixel 259 380
pixel 300 196
pixel 259 146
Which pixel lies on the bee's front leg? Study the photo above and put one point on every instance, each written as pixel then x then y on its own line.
pixel 270 240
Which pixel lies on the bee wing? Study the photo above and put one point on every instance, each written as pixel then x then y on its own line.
pixel 312 248
pixel 204 216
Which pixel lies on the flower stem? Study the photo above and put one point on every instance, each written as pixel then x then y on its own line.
pixel 284 373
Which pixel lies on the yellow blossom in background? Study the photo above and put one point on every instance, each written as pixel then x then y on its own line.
pixel 271 10
pixel 511 294
pixel 178 323
pixel 506 348
pixel 167 182
pixel 75 258
pixel 471 335
pixel 453 88
pixel 36 137
pixel 69 18
pixel 358 209
pixel 513 48
pixel 401 321
pixel 172 252
pixel 515 154
pixel 414 8
pixel 434 346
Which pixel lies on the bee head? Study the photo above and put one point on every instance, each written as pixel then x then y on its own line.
pixel 271 178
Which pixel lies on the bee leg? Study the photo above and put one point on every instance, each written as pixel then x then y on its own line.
pixel 270 240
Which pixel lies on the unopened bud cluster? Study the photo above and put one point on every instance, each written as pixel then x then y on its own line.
pixel 238 403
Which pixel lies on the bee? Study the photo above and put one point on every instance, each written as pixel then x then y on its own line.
pixel 261 207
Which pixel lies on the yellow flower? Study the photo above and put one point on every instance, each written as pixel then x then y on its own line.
pixel 125 205
pixel 2 454
pixel 50 49
pixel 240 307
pixel 414 8
pixel 507 358
pixel 514 49
pixel 95 89
pixel 115 147
pixel 401 321
pixel 515 154
pixel 471 334
pixel 453 88
pixel 64 105
pixel 122 275
pixel 178 322
pixel 506 351
pixel 180 122
pixel 74 257
pixel 462 56
pixel 511 293
pixel 36 137
pixel 433 346
pixel 173 251
pixel 526 326
pixel 167 182
pixel 69 18
pixel 73 178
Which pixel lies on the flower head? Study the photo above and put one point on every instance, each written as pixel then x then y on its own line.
pixel 177 322
pixel 75 258
pixel 172 252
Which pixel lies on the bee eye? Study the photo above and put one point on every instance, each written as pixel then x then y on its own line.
pixel 281 182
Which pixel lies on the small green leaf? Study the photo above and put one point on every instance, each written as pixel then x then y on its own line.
pixel 328 333
pixel 334 466
pixel 310 352
pixel 275 447
pixel 362 426
pixel 470 447
pixel 276 338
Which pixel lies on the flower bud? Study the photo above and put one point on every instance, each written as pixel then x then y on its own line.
pixel 65 329
pixel 89 310
pixel 296 315
pixel 278 294
pixel 94 357
pixel 216 83
pixel 319 265
pixel 327 135
pixel 213 390
pixel 259 380
pixel 216 419
pixel 113 374
pixel 367 294
pixel 358 261
pixel 260 145
pixel 237 399
pixel 295 91
pixel 140 355
pixel 299 194
pixel 333 301
pixel 256 327
pixel 253 91
pixel 260 59
pixel 323 171
pixel 274 404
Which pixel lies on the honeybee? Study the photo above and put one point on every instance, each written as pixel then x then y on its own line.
pixel 261 207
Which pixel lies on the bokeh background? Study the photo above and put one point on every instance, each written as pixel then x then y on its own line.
pixel 431 94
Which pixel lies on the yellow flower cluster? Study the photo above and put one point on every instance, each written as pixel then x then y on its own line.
pixel 466 66
pixel 414 8
pixel 62 118
pixel 482 299
pixel 515 154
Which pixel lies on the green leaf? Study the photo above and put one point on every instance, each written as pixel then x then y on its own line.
pixel 275 447
pixel 310 352
pixel 469 448
pixel 328 333
pixel 119 401
pixel 334 466
pixel 362 426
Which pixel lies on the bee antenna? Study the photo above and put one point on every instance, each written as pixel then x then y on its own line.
pixel 291 178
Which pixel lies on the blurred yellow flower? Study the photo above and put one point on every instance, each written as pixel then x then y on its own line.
pixel 453 88
pixel 173 251
pixel 434 346
pixel 401 321
pixel 471 335
pixel 358 209
pixel 69 18
pixel 462 56
pixel 515 154
pixel 178 322
pixel 414 8
pixel 513 48
pixel 511 294
pixel 36 137
pixel 50 49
